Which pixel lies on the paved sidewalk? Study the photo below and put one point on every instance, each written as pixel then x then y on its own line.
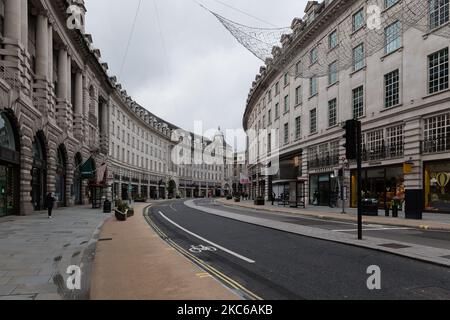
pixel 35 253
pixel 134 263
pixel 430 220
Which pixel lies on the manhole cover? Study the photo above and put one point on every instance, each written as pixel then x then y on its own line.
pixel 394 246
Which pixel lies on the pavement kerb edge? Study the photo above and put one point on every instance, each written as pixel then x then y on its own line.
pixel 356 244
pixel 342 219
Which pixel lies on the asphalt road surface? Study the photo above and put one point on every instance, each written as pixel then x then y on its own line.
pixel 278 265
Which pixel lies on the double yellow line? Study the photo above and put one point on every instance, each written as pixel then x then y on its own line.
pixel 211 270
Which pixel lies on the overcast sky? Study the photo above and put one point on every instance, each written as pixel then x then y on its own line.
pixel 187 67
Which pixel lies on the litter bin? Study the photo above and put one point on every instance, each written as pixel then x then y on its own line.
pixel 370 207
pixel 107 206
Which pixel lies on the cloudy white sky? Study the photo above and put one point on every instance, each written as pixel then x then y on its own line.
pixel 187 67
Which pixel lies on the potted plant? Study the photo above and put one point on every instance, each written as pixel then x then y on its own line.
pixel 396 205
pixel 121 210
pixel 237 199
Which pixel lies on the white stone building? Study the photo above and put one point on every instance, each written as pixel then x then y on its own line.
pixel 66 126
pixel 400 93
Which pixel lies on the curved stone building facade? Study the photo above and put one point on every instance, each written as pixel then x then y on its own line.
pixel 401 95
pixel 66 126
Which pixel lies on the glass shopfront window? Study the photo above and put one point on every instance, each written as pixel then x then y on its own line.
pixel 437 186
pixel 322 190
pixel 381 184
pixel 9 168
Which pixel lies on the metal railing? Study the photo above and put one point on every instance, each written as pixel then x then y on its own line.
pixel 321 162
pixel 436 144
pixel 382 152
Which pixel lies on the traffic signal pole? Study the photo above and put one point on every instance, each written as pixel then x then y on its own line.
pixel 353 150
pixel 359 173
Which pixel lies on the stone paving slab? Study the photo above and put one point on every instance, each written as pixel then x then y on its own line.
pixel 430 221
pixel 35 251
pixel 138 265
pixel 414 251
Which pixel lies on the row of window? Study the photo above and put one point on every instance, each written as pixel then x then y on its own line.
pixel 438 62
pixel 438 81
pixel 135 160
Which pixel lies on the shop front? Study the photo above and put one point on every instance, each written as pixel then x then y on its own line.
pixel 323 189
pixel 9 168
pixel 287 187
pixel 383 184
pixel 437 186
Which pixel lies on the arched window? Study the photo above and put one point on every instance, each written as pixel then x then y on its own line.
pixel 7 139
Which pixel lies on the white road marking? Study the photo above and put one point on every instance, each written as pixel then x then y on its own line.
pixel 207 241
pixel 375 229
pixel 173 208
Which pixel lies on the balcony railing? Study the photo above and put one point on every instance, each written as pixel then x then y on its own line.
pixel 383 152
pixel 326 161
pixel 436 145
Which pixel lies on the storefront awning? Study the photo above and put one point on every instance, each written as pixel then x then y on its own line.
pixel 286 181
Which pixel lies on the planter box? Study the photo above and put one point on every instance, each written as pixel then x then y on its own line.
pixel 259 202
pixel 130 213
pixel 237 199
pixel 120 216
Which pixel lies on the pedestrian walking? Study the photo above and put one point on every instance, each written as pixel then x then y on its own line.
pixel 50 202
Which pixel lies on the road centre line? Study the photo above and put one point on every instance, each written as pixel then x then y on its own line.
pixel 207 241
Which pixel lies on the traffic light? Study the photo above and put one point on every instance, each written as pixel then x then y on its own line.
pixel 351 139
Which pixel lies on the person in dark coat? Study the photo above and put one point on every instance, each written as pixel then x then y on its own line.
pixel 50 203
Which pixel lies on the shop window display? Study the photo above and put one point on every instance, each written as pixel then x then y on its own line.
pixel 437 187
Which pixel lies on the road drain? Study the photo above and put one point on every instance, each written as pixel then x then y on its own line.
pixel 394 246
pixel 105 239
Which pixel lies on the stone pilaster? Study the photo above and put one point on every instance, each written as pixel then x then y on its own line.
pixel 51 168
pixel 305 174
pixel 26 165
pixel 69 182
pixel 414 180
pixel 78 107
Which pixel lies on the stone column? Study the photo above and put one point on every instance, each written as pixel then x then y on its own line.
pixel 69 79
pixel 13 20
pixel 50 54
pixel 24 23
pixel 62 75
pixel 42 47
pixel 78 106
pixel 78 99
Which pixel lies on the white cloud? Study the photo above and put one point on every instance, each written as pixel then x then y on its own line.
pixel 203 74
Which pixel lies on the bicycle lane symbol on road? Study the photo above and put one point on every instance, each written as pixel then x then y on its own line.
pixel 200 248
